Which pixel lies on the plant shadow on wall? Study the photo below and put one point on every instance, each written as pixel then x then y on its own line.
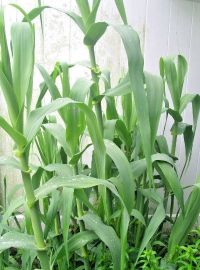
pixel 109 214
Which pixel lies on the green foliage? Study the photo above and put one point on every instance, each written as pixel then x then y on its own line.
pixel 108 213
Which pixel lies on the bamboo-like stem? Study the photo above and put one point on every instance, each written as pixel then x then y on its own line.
pixel 95 78
pixel 34 214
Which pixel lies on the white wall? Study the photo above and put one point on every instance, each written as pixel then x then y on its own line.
pixel 166 27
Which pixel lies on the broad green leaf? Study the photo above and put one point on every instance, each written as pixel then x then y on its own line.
pixel 79 240
pixel 135 63
pixel 92 17
pixel 67 202
pixel 185 100
pixel 53 208
pixel 59 133
pixel 75 159
pixel 15 204
pixel 76 242
pixel 36 118
pixel 138 167
pixel 94 33
pixel 162 144
pixel 106 234
pixel 4 56
pixel 59 169
pixel 181 72
pixel 129 111
pixel 155 221
pixel 137 214
pixel 10 97
pixel 84 8
pixel 155 92
pixel 121 9
pixel 123 133
pixel 75 119
pixel 17 137
pixel 16 240
pixel 171 180
pixel 22 37
pixel 111 111
pixel 122 88
pixel 77 19
pixel 175 114
pixel 185 222
pixel 34 13
pixel 75 182
pixel 125 184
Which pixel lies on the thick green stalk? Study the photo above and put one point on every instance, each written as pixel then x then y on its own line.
pixel 173 148
pixel 34 214
pixel 94 72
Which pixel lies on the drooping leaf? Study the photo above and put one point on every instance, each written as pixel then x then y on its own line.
pixel 185 222
pixel 155 91
pixel 135 63
pixel 125 184
pixel 17 137
pixel 94 33
pixel 16 240
pixel 22 37
pixel 171 180
pixel 106 234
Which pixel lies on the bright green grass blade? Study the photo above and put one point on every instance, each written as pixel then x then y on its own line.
pixel 155 92
pixel 17 240
pixel 135 63
pixel 122 11
pixel 22 37
pixel 126 184
pixel 94 33
pixel 106 234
